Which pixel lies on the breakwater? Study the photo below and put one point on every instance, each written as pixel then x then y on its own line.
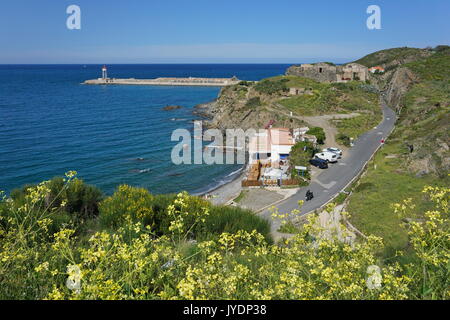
pixel 190 81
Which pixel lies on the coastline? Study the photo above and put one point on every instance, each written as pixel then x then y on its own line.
pixel 224 193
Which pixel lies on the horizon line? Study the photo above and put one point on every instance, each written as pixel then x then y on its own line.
pixel 159 63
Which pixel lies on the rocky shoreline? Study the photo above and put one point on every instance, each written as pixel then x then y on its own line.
pixel 226 192
pixel 205 110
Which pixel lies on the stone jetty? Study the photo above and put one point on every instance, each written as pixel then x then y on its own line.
pixel 190 81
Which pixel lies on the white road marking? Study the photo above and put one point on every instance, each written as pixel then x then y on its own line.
pixel 342 164
pixel 327 185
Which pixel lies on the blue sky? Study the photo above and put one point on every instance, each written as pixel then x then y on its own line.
pixel 207 31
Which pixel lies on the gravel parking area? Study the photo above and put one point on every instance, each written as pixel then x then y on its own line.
pixel 256 199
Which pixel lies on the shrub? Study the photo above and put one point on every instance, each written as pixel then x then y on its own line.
pixel 82 199
pixel 344 139
pixel 37 263
pixel 301 153
pixel 340 198
pixel 319 133
pixel 231 220
pixel 270 87
pixel 188 216
pixel 78 199
pixel 253 102
pixel 289 227
pixel 127 205
pixel 304 183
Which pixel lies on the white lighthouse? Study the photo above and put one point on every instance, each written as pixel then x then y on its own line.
pixel 104 73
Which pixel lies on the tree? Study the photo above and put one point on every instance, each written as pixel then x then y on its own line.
pixel 301 153
pixel 318 133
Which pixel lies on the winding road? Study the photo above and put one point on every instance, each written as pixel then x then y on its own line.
pixel 334 179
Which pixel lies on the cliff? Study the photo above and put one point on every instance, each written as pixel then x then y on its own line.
pixel 241 106
pixel 397 85
pixel 416 154
pixel 416 86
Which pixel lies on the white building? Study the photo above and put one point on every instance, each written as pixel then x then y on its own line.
pixel 272 144
pixel 299 132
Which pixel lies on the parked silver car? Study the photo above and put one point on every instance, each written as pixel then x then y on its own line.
pixel 334 150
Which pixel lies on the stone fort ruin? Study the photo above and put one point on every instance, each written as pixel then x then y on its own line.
pixel 326 72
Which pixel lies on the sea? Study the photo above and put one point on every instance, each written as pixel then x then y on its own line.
pixel 51 123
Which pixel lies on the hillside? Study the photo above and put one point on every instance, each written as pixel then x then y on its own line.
pixel 242 106
pixel 253 105
pixel 418 151
pixel 390 58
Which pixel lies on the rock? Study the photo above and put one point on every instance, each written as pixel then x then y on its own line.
pixel 174 107
pixel 402 80
pixel 204 110
pixel 230 111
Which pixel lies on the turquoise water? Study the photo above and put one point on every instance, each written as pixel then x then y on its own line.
pixel 50 123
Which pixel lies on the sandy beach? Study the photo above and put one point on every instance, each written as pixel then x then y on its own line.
pixel 225 193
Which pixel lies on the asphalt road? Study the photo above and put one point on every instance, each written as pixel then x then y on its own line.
pixel 332 180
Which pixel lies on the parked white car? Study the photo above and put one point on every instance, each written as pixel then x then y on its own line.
pixel 329 156
pixel 334 150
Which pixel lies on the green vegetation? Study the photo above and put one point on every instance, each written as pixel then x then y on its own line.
pixel 245 83
pixel 271 86
pixel 253 102
pixel 208 252
pixel 387 56
pixel 127 205
pixel 76 203
pixel 384 184
pixel 319 133
pixel 343 139
pixel 354 127
pixel 341 197
pixel 232 220
pixel 398 172
pixel 301 153
pixel 132 205
pixel 330 97
pixel 304 104
pixel 241 196
pixel 289 228
pixel 240 89
pixel 433 68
